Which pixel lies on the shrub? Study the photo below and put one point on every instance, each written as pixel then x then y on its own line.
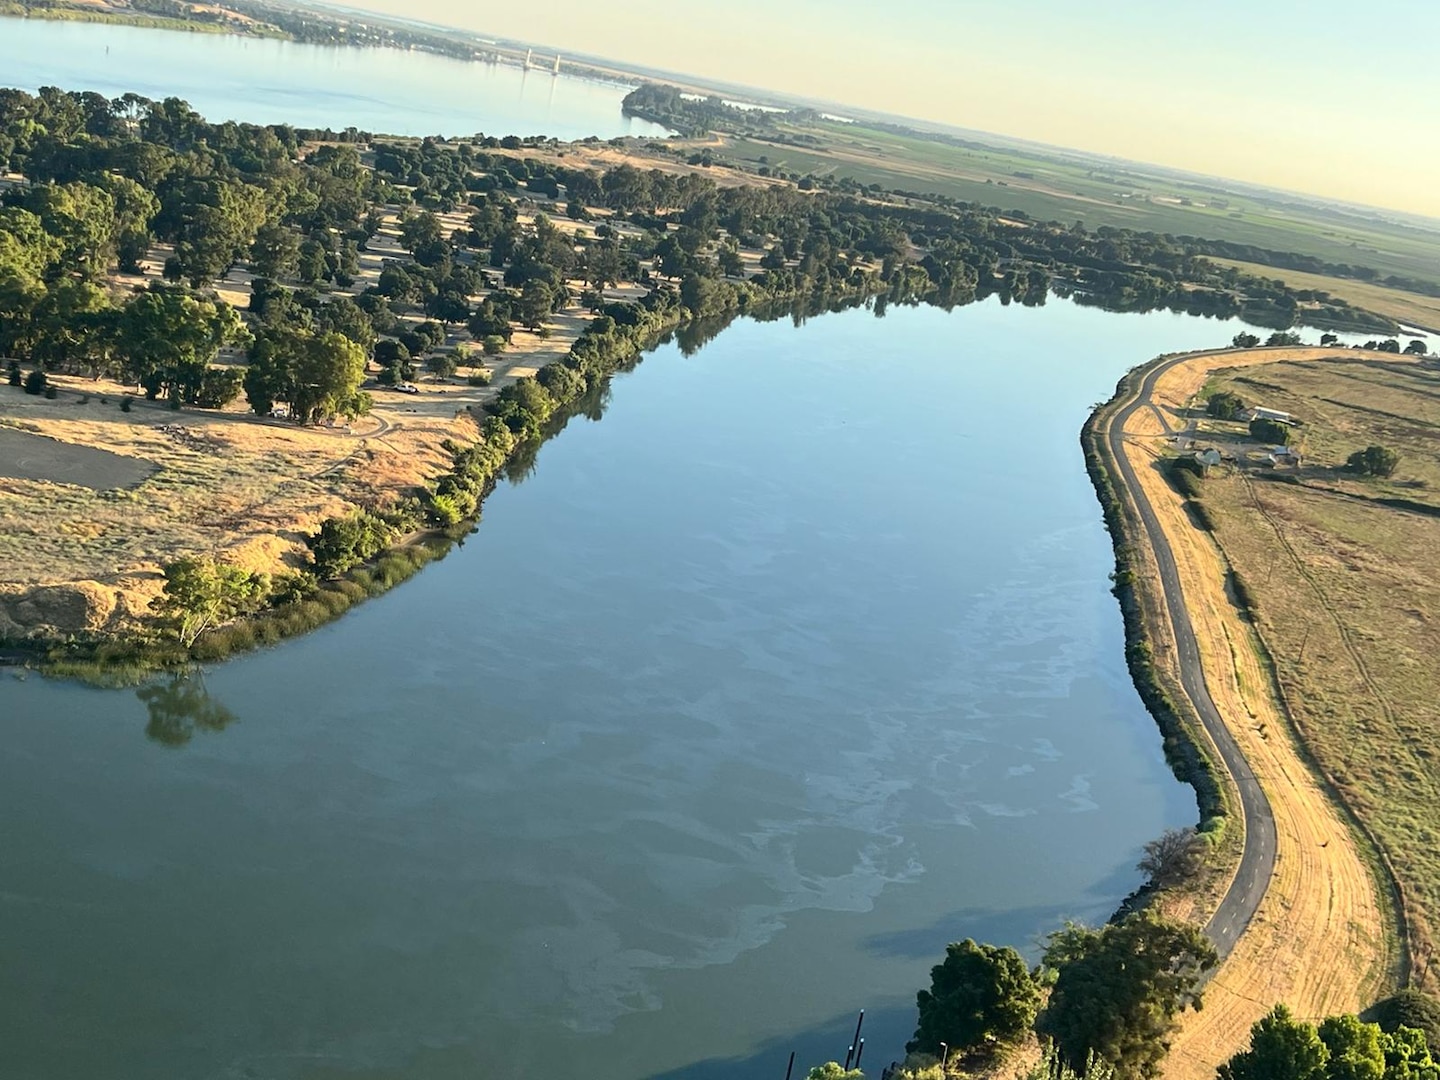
pixel 1269 431
pixel 125 403
pixel 1408 1008
pixel 1373 461
pixel 51 393
pixel 36 382
pixel 1225 406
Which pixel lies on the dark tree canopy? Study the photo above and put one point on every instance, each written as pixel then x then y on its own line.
pixel 1340 1048
pixel 981 1000
pixel 1225 406
pixel 1118 990
pixel 1374 461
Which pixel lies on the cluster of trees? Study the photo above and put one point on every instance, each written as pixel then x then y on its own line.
pixel 1283 1047
pixel 1108 995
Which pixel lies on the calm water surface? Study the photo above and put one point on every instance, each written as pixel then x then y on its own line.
pixel 797 665
pixel 392 91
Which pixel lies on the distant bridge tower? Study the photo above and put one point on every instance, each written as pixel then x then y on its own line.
pixel 557 64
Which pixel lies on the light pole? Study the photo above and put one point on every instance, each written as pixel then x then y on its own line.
pixel 944 1055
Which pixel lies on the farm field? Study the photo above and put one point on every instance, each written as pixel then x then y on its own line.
pixel 1071 187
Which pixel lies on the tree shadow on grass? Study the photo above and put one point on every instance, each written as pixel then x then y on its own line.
pixel 887 1027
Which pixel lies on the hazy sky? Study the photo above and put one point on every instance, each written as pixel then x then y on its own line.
pixel 1327 96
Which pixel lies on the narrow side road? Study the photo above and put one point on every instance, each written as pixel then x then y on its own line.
pixel 1257 860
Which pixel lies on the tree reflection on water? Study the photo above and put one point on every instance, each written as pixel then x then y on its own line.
pixel 181 706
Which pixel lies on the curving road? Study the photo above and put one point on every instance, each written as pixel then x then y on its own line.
pixel 1257 861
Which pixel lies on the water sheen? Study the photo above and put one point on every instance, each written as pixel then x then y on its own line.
pixel 396 92
pixel 797 665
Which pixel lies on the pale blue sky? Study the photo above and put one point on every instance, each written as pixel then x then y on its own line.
pixel 1328 96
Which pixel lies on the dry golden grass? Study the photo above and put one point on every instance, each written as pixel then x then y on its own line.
pixel 1323 940
pixel 241 489
pixel 1347 594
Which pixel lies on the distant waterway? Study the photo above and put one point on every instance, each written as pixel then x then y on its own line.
pixel 795 665
pixel 391 91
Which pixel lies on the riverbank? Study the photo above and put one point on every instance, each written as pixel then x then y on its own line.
pixel 1321 899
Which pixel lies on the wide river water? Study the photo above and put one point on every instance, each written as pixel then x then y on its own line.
pixel 798 664
pixel 391 91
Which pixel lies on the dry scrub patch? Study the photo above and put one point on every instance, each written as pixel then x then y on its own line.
pixel 1322 940
pixel 77 559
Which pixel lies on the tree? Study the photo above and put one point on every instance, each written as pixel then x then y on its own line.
pixel 833 1070
pixel 275 252
pixel 493 345
pixel 1119 989
pixel 1411 1009
pixel 535 304
pixel 1357 1050
pixel 441 364
pixel 419 230
pixel 981 1000
pixel 1416 348
pixel 774 259
pixel 395 360
pixel 1225 406
pixel 327 374
pixel 1281 1048
pixel 169 338
pixel 1341 1048
pixel 82 217
pixel 202 593
pixel 1373 461
pixel 1173 858
pixel 1283 337
pixel 731 264
pixel 1271 432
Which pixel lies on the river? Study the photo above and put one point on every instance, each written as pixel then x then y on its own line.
pixel 796 665
pixel 392 91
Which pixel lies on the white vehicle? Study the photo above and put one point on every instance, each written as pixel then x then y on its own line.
pixel 407 388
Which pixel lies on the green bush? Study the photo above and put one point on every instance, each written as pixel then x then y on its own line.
pixel 1373 461
pixel 1269 431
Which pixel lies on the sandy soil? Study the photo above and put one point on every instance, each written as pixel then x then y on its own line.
pixel 1322 941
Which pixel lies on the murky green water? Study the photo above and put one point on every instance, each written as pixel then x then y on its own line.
pixel 797 665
